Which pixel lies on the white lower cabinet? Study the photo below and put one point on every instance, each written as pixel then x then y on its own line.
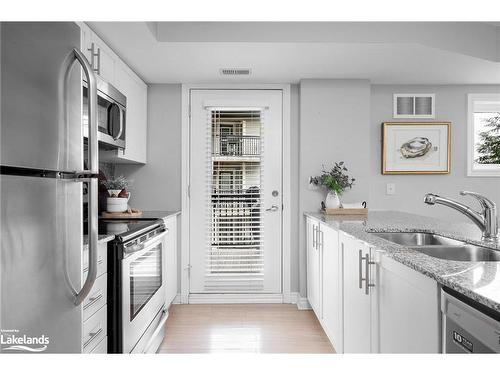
pixel 171 259
pixel 314 266
pixel 408 318
pixel 357 296
pixel 332 319
pixel 365 301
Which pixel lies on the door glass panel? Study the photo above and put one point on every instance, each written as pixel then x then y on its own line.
pixel 145 279
pixel 235 261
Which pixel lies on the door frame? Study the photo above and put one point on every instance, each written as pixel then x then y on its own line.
pixel 286 295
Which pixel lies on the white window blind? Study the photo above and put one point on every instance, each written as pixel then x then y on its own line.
pixel 234 261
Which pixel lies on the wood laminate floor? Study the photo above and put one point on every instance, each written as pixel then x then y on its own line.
pixel 245 328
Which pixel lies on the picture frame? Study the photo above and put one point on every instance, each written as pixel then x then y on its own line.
pixel 416 147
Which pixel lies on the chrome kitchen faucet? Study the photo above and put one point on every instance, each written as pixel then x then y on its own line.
pixel 486 220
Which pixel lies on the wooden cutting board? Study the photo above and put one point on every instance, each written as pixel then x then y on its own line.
pixel 120 215
pixel 345 211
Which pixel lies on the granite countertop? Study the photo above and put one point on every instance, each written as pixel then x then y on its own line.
pixel 477 280
pixel 155 215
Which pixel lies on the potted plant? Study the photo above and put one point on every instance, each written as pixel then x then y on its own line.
pixel 336 181
pixel 118 195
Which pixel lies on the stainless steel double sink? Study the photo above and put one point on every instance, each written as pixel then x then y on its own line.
pixel 441 247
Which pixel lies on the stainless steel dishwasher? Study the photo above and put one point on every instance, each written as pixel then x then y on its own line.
pixel 468 327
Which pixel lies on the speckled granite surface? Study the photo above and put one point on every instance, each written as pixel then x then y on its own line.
pixel 477 280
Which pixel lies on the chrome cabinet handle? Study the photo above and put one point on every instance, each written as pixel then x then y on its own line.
pixel 321 235
pixel 92 56
pixel 314 236
pixel 366 279
pixel 93 170
pixel 360 269
pixel 92 301
pixel 272 208
pixel 92 335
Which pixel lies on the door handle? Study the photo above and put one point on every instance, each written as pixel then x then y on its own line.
pixel 93 170
pixel 272 208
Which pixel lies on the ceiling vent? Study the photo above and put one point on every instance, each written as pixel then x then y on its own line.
pixel 414 106
pixel 235 71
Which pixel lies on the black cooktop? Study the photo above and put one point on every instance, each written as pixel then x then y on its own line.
pixel 123 227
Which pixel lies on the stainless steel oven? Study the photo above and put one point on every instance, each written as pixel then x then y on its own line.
pixel 137 301
pixel 111 115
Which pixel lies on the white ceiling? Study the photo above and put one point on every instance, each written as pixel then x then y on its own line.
pixel 413 53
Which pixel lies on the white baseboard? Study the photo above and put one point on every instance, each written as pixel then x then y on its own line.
pixel 303 303
pixel 235 298
pixel 177 300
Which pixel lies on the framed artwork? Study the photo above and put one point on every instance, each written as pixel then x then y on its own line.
pixel 416 147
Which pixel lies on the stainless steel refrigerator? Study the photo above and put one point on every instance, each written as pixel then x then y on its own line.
pixel 41 182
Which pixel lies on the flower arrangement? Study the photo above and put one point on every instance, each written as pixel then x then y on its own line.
pixel 335 180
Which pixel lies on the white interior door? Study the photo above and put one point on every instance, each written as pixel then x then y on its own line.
pixel 235 191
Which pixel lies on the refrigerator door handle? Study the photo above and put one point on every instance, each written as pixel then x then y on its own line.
pixel 93 183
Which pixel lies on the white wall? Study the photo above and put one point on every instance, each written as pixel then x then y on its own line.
pixel 334 118
pixel 451 105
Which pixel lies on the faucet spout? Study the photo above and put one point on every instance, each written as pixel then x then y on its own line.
pixel 486 221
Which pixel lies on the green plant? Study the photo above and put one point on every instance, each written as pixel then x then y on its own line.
pixel 489 146
pixel 335 180
pixel 118 183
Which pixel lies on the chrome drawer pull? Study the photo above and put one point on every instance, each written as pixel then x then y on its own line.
pixel 92 335
pixel 92 301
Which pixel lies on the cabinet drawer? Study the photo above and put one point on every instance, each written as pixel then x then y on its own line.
pixel 94 330
pixel 97 297
pixel 102 347
pixel 102 259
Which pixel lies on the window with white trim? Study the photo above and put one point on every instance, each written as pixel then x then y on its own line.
pixel 483 135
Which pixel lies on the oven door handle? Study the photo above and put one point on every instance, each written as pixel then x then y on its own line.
pixel 145 247
pixel 159 327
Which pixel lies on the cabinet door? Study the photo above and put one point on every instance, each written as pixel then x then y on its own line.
pixel 408 309
pixel 171 259
pixel 136 119
pixel 332 287
pixel 313 266
pixel 102 59
pixel 357 326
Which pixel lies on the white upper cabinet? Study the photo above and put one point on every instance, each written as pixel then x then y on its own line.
pixel 100 56
pixel 136 92
pixel 114 71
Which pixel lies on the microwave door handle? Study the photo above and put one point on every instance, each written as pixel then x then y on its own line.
pixel 121 124
pixel 92 172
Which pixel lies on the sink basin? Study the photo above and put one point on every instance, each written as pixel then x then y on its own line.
pixel 467 253
pixel 441 247
pixel 417 239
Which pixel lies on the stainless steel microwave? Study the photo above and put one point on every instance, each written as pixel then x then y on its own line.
pixel 111 115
